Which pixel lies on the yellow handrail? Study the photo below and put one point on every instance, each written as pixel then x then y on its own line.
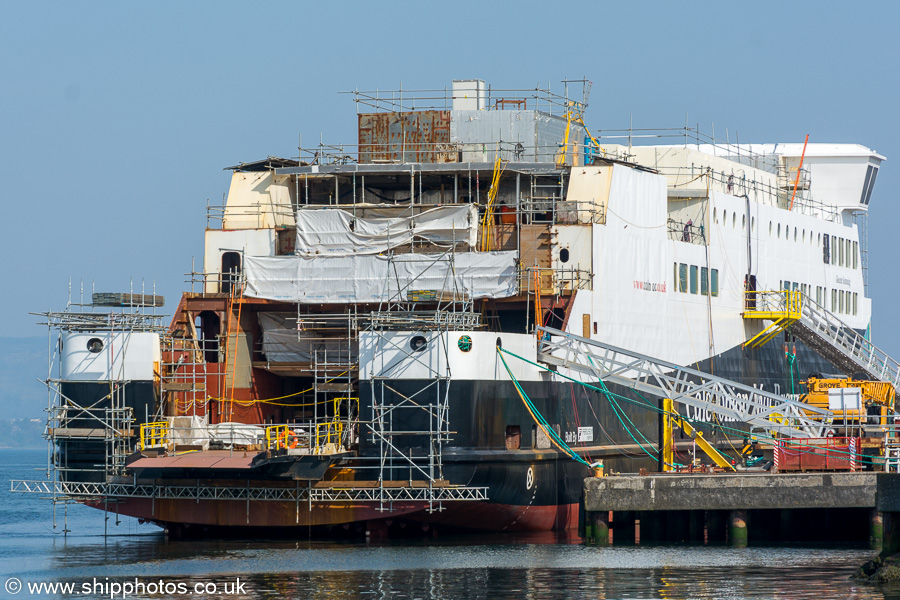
pixel 277 437
pixel 333 430
pixel 154 434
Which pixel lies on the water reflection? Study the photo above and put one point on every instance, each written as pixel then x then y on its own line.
pixel 533 567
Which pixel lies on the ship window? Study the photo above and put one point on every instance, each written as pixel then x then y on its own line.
pixel 693 279
pixel 564 255
pixel 675 277
pixel 796 286
pixel 841 252
pixel 833 300
pixel 733 220
pixel 779 230
pixel 826 253
pixel 849 248
pixel 834 249
pixel 770 227
pixel 862 198
pixel 704 281
pixel 743 221
pixel 855 254
pixel 714 282
pixel 715 216
pixel 95 345
pixel 682 278
pixel 803 237
pixel 870 186
pixel 841 301
pixel 418 343
pixel 795 234
pixel 753 224
pixel 854 302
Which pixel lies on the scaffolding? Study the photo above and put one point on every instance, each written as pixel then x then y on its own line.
pixel 388 426
pixel 89 438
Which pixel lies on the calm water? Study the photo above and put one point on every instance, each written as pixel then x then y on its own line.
pixel 533 567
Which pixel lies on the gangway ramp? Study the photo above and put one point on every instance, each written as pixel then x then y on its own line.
pixel 728 400
pixel 824 333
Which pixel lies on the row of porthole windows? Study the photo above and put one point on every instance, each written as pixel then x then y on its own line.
pixel 799 234
pixel 734 219
pixel 842 302
pixel 691 279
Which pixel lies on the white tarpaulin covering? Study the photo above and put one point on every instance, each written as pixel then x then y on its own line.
pixel 336 232
pixel 282 342
pixel 236 433
pixel 369 278
pixel 188 431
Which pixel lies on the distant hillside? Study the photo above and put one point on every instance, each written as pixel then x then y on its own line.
pixel 22 362
pixel 22 433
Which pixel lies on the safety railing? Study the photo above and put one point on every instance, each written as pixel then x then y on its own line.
pixel 863 353
pixel 554 281
pixel 249 216
pixel 686 232
pixel 154 435
pixel 328 437
pixel 281 437
pixel 553 210
pixel 780 307
pixel 772 304
pixel 766 190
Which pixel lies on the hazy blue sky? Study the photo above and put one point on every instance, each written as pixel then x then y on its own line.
pixel 117 119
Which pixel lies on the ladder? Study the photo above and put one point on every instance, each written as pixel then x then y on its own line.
pixel 728 400
pixel 827 335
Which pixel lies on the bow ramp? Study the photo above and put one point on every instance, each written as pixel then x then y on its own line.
pixel 726 399
pixel 822 331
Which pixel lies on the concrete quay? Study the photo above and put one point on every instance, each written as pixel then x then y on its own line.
pixel 744 507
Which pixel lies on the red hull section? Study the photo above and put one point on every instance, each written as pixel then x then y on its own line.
pixel 479 516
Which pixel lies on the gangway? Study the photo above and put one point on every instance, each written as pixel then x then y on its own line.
pixel 824 333
pixel 726 399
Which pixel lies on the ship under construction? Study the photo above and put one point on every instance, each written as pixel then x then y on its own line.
pixel 454 322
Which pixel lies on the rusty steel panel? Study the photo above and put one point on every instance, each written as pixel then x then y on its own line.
pixel 408 137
